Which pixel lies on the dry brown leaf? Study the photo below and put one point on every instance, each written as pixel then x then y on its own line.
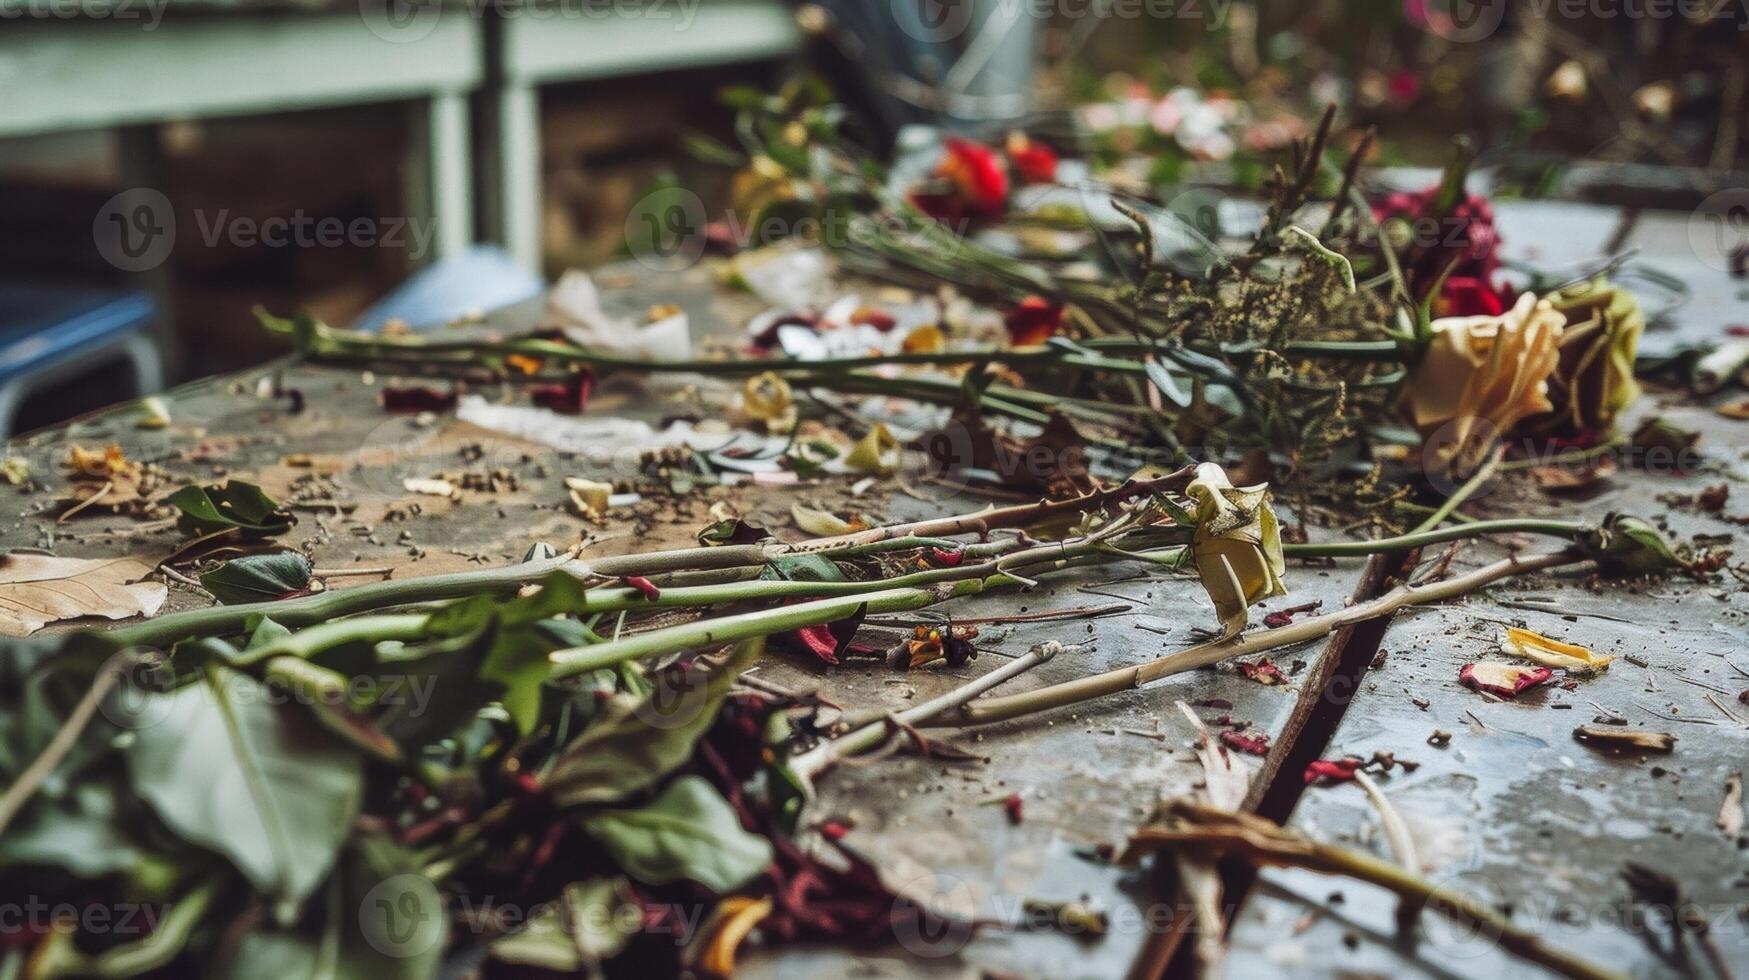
pixel 36 590
pixel 1731 811
pixel 1610 737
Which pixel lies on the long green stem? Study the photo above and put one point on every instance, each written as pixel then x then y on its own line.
pixel 745 626
pixel 1452 503
pixel 1360 549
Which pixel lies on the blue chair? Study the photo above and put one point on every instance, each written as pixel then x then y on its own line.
pixel 53 334
pixel 480 278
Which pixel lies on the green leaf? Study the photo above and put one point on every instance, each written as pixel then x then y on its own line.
pixel 79 833
pixel 635 742
pixel 689 831
pixel 260 783
pixel 259 578
pixel 591 924
pixel 382 919
pixel 802 568
pixel 233 504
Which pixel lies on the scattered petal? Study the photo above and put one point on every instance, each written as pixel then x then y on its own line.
pixel 1503 680
pixel 1626 739
pixel 1552 653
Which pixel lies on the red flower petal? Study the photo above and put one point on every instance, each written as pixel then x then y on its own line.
pixel 415 399
pixel 1257 744
pixel 947 559
pixel 1013 804
pixel 644 585
pixel 1034 321
pixel 1331 770
pixel 1503 680
pixel 570 398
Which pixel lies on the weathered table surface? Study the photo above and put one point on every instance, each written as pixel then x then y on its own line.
pixel 1512 807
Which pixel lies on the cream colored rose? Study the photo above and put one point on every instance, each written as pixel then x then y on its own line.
pixel 1481 376
pixel 1594 381
pixel 1237 545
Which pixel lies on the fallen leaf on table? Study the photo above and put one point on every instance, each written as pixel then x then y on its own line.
pixel 105 478
pixel 1730 819
pixel 259 578
pixel 36 590
pixel 819 522
pixel 231 506
pixel 429 487
pixel 1502 680
pixel 1609 737
pixel 14 471
pixel 1570 657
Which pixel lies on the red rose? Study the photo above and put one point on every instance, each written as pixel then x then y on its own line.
pixel 971 183
pixel 1463 241
pixel 1033 322
pixel 1469 296
pixel 1035 162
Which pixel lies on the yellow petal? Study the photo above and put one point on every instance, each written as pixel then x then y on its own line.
pixel 927 339
pixel 767 398
pixel 1552 653
pixel 876 453
pixel 592 493
pixel 819 522
pixel 736 917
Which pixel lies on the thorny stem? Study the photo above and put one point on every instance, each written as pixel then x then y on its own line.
pixel 1203 655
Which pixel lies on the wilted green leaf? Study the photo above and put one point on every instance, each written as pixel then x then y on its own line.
pixel 635 742
pixel 260 783
pixel 259 578
pixel 233 504
pixel 689 831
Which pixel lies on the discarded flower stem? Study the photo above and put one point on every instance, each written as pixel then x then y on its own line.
pixel 1128 678
pixel 826 754
pixel 1483 474
pixel 1474 529
pixel 1253 839
pixel 336 603
pixel 746 626
pixel 1402 842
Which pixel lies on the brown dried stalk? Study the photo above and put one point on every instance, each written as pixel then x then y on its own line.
pixel 984 712
pixel 1252 838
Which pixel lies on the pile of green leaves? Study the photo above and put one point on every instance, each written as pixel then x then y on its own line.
pixel 336 801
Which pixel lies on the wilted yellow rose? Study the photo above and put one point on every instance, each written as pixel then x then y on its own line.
pixel 761 184
pixel 1481 376
pixel 1594 380
pixel 1237 544
pixel 767 398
